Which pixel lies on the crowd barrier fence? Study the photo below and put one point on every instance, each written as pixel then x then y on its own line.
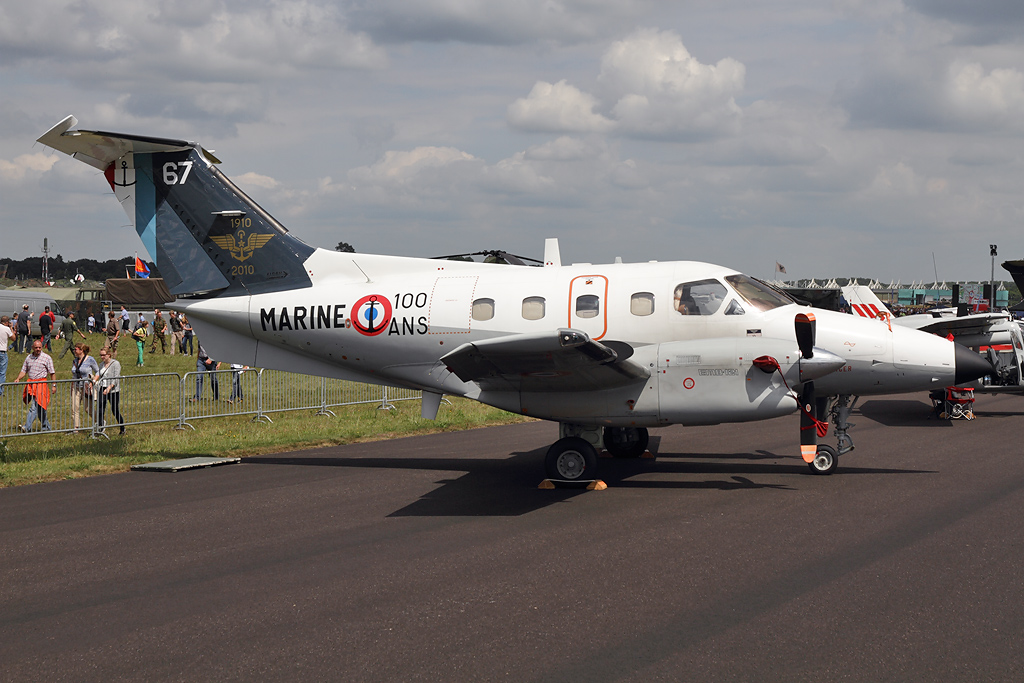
pixel 184 399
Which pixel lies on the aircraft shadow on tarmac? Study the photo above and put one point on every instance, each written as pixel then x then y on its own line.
pixel 507 486
pixel 997 413
pixel 901 413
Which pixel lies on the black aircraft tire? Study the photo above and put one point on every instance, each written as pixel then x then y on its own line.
pixel 825 461
pixel 626 442
pixel 571 459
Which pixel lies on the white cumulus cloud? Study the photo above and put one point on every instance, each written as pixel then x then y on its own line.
pixel 650 86
pixel 557 108
pixel 257 180
pixel 661 90
pixel 26 164
pixel 402 166
pixel 998 94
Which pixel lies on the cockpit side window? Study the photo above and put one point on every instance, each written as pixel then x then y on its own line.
pixel 758 294
pixel 701 297
pixel 734 308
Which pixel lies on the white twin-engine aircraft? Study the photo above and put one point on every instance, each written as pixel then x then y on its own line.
pixel 607 351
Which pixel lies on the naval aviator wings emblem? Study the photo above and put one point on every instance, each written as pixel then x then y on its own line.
pixel 242 248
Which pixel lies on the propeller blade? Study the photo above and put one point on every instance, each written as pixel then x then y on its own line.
pixel 805 332
pixel 808 432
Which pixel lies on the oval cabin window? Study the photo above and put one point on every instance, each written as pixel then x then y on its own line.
pixel 641 303
pixel 588 306
pixel 483 309
pixel 533 308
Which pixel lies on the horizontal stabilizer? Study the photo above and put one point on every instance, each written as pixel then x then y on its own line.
pixel 100 149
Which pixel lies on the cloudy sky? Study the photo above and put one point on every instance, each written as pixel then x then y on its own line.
pixel 839 138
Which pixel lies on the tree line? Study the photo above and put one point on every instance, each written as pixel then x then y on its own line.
pixel 62 271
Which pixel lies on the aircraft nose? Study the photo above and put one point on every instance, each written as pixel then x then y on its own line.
pixel 969 365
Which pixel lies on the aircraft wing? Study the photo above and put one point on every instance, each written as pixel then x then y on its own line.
pixel 978 323
pixel 566 360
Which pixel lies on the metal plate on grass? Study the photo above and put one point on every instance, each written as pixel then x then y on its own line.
pixel 185 464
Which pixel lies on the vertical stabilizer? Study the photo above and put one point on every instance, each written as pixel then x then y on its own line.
pixel 202 231
pixel 864 302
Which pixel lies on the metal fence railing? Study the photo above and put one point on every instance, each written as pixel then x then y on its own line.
pixel 73 405
pixel 30 407
pixel 135 400
pixel 216 393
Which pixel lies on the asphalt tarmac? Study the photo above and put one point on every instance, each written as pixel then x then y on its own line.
pixel 436 558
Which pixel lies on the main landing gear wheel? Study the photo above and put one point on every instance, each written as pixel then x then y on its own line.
pixel 825 461
pixel 571 459
pixel 626 442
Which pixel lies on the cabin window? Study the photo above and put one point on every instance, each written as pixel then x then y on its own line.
pixel 734 308
pixel 533 308
pixel 641 303
pixel 758 294
pixel 483 309
pixel 588 306
pixel 702 297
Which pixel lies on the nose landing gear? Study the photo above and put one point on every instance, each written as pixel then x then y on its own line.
pixel 826 458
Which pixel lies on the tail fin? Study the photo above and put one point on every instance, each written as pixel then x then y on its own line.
pixel 864 302
pixel 203 232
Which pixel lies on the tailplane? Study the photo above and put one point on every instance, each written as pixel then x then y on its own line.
pixel 203 233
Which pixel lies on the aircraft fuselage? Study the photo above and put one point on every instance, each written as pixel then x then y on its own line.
pixel 390 320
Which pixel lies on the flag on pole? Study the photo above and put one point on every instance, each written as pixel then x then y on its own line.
pixel 779 267
pixel 141 269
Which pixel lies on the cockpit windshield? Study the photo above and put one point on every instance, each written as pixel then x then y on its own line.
pixel 758 294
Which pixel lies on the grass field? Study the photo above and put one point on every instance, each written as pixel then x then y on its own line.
pixel 31 459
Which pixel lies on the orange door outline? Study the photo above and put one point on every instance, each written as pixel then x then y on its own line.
pixel 591 284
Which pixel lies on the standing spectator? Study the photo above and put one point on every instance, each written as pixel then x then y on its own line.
pixel 82 369
pixel 139 335
pixel 68 329
pixel 205 364
pixel 6 335
pixel 37 366
pixel 236 382
pixel 159 332
pixel 46 321
pixel 24 330
pixel 186 340
pixel 139 322
pixel 109 386
pixel 91 324
pixel 177 333
pixel 126 320
pixel 112 332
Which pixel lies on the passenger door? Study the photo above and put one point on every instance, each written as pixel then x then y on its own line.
pixel 588 311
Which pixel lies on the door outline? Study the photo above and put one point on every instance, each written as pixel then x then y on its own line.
pixel 589 285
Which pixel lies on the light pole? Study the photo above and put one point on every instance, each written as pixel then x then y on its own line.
pixel 992 278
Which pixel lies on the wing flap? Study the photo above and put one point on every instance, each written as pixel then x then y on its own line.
pixel 566 360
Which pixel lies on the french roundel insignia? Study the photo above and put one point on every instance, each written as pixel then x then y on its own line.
pixel 371 315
